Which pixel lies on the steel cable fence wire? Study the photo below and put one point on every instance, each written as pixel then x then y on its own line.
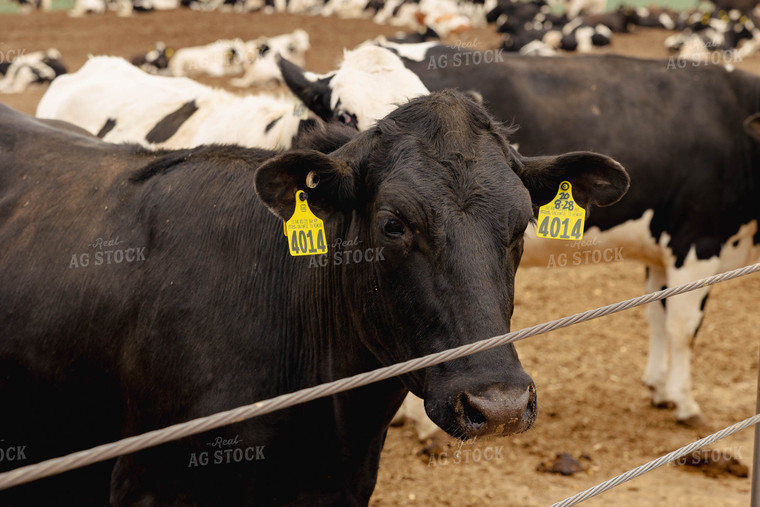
pixel 135 443
pixel 656 463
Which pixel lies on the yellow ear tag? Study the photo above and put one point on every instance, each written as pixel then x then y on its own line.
pixel 304 230
pixel 561 218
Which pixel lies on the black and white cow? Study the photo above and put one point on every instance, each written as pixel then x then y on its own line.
pixel 155 61
pixel 139 289
pixel 720 31
pixel 622 107
pixel 576 35
pixel 223 57
pixel 118 102
pixel 38 67
pixel 121 7
pixel 261 68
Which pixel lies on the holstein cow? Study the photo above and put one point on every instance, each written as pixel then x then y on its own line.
pixel 220 58
pixel 173 296
pixel 118 102
pixel 155 61
pixel 617 108
pixel 263 69
pixel 31 68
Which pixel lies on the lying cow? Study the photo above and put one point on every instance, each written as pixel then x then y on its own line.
pixel 657 222
pixel 220 58
pixel 118 102
pixel 155 61
pixel 39 67
pixel 263 69
pixel 175 297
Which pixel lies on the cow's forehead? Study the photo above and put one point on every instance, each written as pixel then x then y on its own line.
pixel 436 190
pixel 444 148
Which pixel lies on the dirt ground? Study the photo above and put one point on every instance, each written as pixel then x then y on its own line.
pixel 591 401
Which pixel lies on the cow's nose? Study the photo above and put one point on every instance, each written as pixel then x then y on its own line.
pixel 496 410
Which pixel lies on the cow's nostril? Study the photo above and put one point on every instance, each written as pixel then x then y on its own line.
pixel 471 416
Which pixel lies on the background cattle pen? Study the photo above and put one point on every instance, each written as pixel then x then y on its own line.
pixel 590 401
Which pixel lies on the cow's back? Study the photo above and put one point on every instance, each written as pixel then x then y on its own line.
pixel 108 255
pixel 110 88
pixel 689 119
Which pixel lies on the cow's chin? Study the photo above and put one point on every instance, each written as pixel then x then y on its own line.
pixel 493 411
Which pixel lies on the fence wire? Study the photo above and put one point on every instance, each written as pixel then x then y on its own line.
pixel 663 460
pixel 175 432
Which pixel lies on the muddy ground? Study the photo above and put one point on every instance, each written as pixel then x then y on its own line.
pixel 591 401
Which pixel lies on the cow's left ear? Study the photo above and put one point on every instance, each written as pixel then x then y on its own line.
pixel 327 180
pixel 596 179
pixel 314 91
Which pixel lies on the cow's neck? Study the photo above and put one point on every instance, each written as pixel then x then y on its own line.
pixel 324 345
pixel 327 338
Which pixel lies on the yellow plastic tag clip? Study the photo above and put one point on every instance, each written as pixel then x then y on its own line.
pixel 561 218
pixel 304 230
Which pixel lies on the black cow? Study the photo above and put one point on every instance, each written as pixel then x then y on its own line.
pixel 140 289
pixel 688 137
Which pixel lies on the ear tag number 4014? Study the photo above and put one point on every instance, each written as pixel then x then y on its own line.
pixel 561 218
pixel 304 230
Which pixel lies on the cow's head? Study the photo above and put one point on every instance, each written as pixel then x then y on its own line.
pixel 370 83
pixel 436 186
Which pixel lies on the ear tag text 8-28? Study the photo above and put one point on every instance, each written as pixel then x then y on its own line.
pixel 304 230
pixel 562 217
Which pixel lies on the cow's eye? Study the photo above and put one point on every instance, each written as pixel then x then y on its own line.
pixel 393 227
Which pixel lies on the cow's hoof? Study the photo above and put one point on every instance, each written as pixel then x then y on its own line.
pixel 695 421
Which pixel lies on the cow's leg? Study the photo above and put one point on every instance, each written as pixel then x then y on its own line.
pixel 655 374
pixel 682 320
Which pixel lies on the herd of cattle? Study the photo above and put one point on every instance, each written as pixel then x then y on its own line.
pixel 211 312
pixel 532 27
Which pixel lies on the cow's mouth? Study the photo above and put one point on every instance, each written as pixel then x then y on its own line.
pixel 495 410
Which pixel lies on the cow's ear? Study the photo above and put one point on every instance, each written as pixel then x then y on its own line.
pixel 327 180
pixel 596 179
pixel 314 91
pixel 752 126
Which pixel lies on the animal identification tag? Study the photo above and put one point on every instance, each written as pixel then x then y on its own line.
pixel 304 230
pixel 561 218
pixel 299 110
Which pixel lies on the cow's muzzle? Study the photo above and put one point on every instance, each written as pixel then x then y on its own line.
pixel 495 411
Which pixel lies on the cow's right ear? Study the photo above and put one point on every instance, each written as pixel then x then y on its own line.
pixel 314 91
pixel 596 179
pixel 328 181
pixel 752 126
